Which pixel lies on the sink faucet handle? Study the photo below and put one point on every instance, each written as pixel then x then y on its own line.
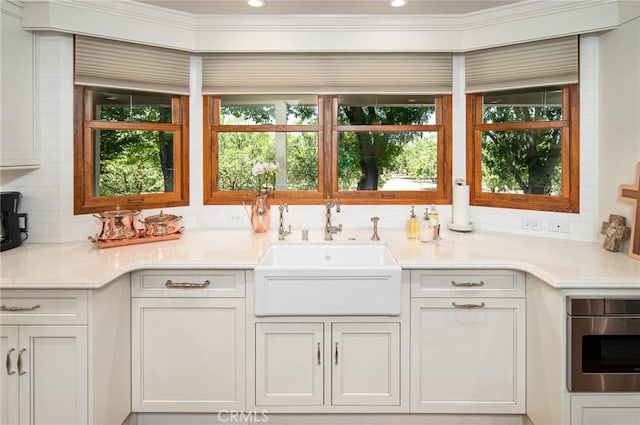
pixel 375 236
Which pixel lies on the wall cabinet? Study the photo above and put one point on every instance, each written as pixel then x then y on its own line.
pixel 358 362
pixel 467 351
pixel 188 352
pixel 19 147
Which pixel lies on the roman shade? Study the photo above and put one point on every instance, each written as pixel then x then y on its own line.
pixel 109 63
pixel 317 73
pixel 535 64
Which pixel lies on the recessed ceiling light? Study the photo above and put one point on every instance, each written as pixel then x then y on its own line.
pixel 397 3
pixel 255 3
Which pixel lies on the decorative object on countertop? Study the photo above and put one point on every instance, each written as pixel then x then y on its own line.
pixel 117 225
pixel 460 208
pixel 426 228
pixel 304 234
pixel 118 228
pixel 261 212
pixel 281 232
pixel 434 219
pixel 615 231
pixel 161 224
pixel 265 172
pixel 629 193
pixel 375 236
pixel 413 225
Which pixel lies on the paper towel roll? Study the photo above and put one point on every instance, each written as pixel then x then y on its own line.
pixel 460 205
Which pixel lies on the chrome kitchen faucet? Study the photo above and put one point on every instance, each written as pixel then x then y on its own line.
pixel 330 230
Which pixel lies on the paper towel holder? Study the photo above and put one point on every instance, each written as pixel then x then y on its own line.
pixel 460 227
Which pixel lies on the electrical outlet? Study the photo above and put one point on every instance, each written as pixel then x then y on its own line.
pixel 561 226
pixel 234 218
pixel 532 223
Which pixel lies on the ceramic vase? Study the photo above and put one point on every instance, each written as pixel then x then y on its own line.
pixel 261 213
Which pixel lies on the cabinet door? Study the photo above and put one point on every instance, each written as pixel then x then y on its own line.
pixel 18 144
pixel 54 380
pixel 188 355
pixel 619 409
pixel 9 381
pixel 289 364
pixel 366 364
pixel 467 355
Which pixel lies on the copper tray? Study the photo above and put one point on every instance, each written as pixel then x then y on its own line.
pixel 100 243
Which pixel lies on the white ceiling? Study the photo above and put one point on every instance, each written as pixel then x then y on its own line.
pixel 324 7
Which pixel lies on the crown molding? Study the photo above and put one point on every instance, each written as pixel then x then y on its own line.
pixel 132 21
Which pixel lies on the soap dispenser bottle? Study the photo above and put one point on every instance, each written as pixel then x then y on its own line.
pixel 434 220
pixel 413 226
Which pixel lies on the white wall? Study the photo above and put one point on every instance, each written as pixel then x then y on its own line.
pixel 619 147
pixel 48 191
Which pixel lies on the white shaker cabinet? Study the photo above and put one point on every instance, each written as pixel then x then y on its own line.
pixel 290 364
pixel 44 343
pixel 603 408
pixel 65 356
pixel 468 350
pixel 18 142
pixel 45 378
pixel 357 364
pixel 188 351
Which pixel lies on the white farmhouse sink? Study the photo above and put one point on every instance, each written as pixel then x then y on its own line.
pixel 327 279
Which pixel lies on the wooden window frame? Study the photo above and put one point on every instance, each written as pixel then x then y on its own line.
pixel 570 161
pixel 328 129
pixel 442 127
pixel 84 125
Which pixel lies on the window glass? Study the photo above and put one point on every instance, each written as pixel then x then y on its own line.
pixel 239 152
pixel 131 162
pixel 522 161
pixel 397 161
pixel 529 105
pixel 385 110
pixel 124 105
pixel 272 109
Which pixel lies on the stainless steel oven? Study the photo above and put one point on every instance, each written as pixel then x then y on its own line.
pixel 603 344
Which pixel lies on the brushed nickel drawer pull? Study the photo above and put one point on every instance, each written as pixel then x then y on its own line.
pixel 336 353
pixel 4 307
pixel 319 358
pixel 20 371
pixel 456 305
pixel 187 285
pixel 454 283
pixel 8 362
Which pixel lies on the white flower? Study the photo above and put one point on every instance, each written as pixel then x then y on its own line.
pixel 264 168
pixel 265 173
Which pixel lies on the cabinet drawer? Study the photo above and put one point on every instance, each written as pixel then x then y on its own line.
pixel 467 283
pixel 43 307
pixel 188 283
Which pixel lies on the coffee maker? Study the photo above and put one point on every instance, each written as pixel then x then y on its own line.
pixel 11 231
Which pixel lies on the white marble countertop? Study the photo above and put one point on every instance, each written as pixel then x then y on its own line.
pixel 560 263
